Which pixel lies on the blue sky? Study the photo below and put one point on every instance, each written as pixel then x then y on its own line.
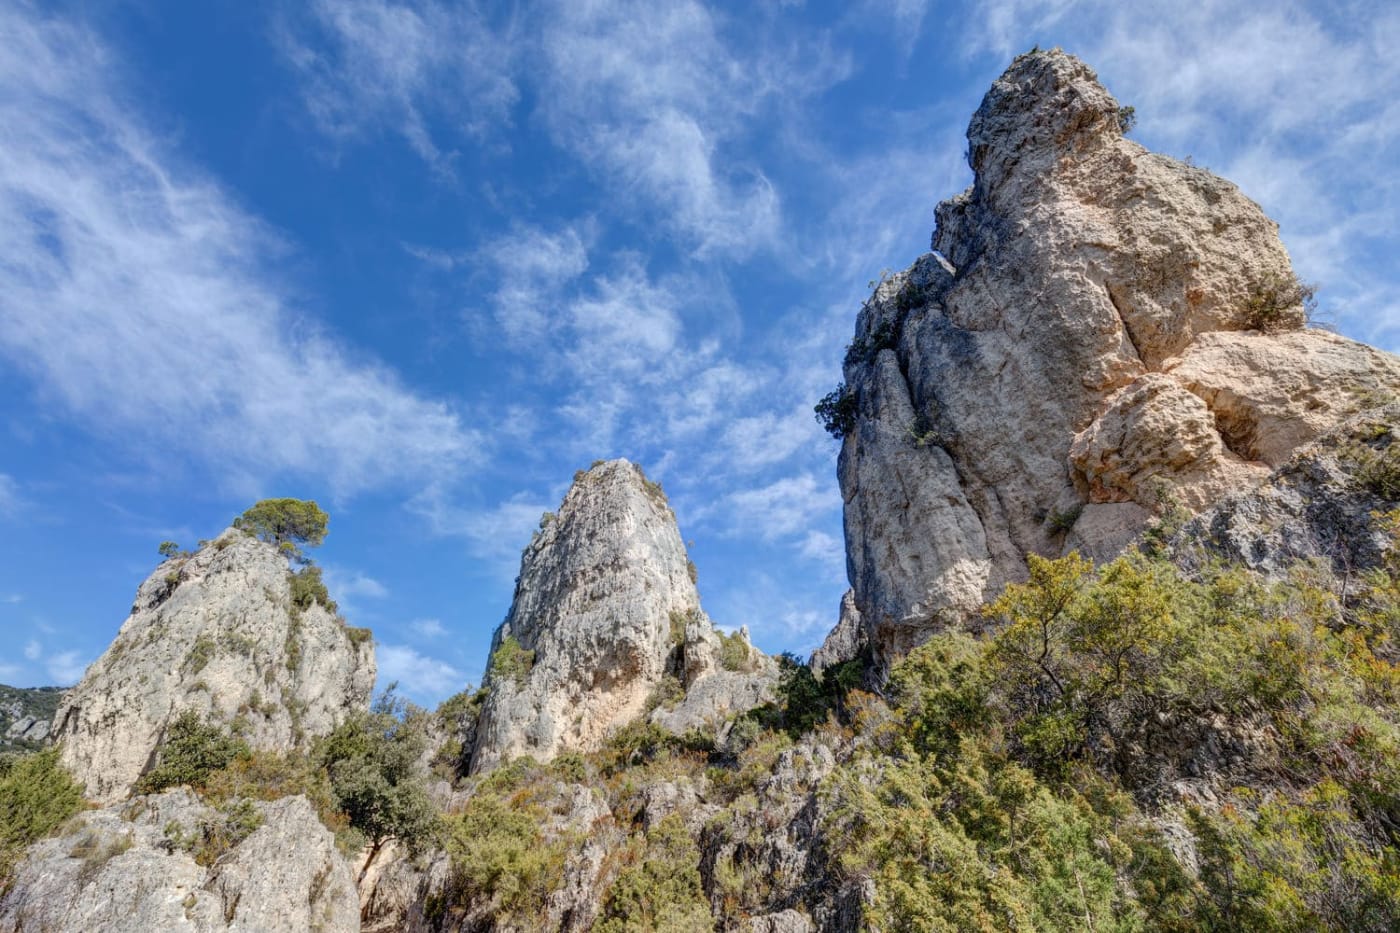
pixel 422 261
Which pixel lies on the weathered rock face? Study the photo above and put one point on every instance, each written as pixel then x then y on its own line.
pixel 1325 504
pixel 604 610
pixel 217 633
pixel 128 868
pixel 1078 350
pixel 26 716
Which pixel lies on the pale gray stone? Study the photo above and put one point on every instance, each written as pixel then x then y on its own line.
pixel 1072 357
pixel 606 607
pixel 120 869
pixel 216 633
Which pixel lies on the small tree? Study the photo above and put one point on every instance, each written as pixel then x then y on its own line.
pixel 169 549
pixel 285 522
pixel 837 411
pixel 372 759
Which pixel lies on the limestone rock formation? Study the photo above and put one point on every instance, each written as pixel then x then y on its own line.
pixel 1101 332
pixel 215 632
pixel 605 610
pixel 846 642
pixel 1325 504
pixel 26 716
pixel 133 867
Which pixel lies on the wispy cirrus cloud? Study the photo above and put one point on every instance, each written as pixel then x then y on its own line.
pixel 140 299
pixel 366 65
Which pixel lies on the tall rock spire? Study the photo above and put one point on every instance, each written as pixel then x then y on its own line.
pixel 1099 331
pixel 605 609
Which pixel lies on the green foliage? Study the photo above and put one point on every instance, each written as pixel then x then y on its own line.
pixel 1377 470
pixel 37 796
pixel 837 411
pixel 658 887
pixel 1070 653
pixel 1278 303
pixel 190 752
pixel 357 636
pixel 997 791
pixel 735 653
pixel 201 653
pixel 1127 119
pixel 1060 522
pixel 500 856
pixel 307 588
pixel 1295 862
pixel 885 336
pixel 285 522
pixel 372 760
pixel 213 836
pixel 511 662
pixel 169 549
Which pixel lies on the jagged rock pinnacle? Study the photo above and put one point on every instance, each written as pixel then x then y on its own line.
pixel 604 609
pixel 217 633
pixel 1101 330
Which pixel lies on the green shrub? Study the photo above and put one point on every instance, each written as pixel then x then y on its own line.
pixel 190 752
pixel 1278 303
pixel 307 588
pixel 735 653
pixel 213 836
pixel 511 662
pixel 500 857
pixel 37 796
pixel 1127 119
pixel 201 653
pixel 658 887
pixel 837 411
pixel 885 336
pixel 169 549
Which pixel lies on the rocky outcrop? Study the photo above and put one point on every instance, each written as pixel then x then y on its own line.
pixel 137 867
pixel 846 642
pixel 1100 333
pixel 1326 504
pixel 216 632
pixel 26 716
pixel 605 610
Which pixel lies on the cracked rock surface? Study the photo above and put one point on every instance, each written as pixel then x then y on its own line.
pixel 1077 351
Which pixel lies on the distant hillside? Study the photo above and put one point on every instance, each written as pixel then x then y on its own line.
pixel 37 704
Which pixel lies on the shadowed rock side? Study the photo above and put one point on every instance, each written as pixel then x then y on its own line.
pixel 1100 331
pixel 605 609
pixel 217 633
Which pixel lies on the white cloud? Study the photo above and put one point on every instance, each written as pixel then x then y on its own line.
pixel 32 650
pixel 137 295
pixel 11 598
pixel 648 94
pixel 532 265
pixel 782 508
pixel 428 628
pixel 348 585
pixel 495 535
pixel 370 63
pixel 65 668
pixel 417 674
